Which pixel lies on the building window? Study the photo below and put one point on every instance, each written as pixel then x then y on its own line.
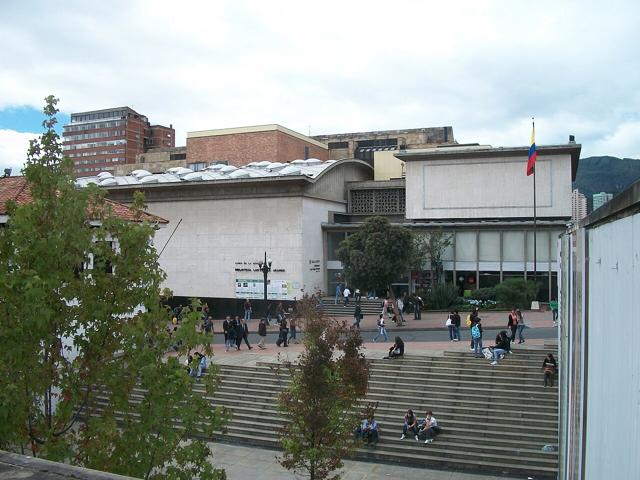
pixel 378 201
pixel 178 156
pixel 336 145
pixel 196 167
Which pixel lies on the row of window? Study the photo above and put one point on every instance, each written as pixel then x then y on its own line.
pixel 94 126
pixel 87 117
pixel 100 160
pixel 93 154
pixel 88 136
pixel 95 169
pixel 95 144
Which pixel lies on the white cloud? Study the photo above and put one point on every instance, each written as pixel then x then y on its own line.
pixel 13 149
pixel 483 67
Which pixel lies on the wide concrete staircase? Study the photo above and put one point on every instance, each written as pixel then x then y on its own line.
pixel 495 419
pixel 368 307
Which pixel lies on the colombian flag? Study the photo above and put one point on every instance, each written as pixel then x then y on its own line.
pixel 533 154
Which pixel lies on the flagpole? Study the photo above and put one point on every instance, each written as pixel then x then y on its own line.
pixel 535 221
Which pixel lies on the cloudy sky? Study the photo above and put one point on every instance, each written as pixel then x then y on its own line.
pixel 483 67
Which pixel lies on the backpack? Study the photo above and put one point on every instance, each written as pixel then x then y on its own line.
pixel 475 331
pixel 469 320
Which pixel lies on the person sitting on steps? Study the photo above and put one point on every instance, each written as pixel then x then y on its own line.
pixel 368 431
pixel 501 347
pixel 549 366
pixel 397 350
pixel 428 429
pixel 410 424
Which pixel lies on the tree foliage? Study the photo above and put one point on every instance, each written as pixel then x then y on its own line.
pixel 320 404
pixel 83 372
pixel 376 254
pixel 430 247
pixel 517 292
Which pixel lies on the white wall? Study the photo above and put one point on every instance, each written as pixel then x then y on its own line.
pixel 488 187
pixel 200 259
pixel 613 374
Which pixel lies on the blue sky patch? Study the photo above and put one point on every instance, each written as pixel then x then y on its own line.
pixel 27 119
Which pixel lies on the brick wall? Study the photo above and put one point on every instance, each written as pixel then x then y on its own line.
pixel 292 148
pixel 242 148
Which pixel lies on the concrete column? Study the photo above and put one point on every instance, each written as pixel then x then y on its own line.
pixel 477 259
pixel 501 252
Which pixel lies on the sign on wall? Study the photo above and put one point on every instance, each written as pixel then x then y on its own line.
pixel 254 288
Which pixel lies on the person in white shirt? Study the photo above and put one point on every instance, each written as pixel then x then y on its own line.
pixel 428 428
pixel 381 329
pixel 346 294
pixel 368 431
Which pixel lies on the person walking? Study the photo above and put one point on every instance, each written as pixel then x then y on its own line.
pixel 521 326
pixel 262 333
pixel 247 309
pixel 381 329
pixel 232 334
pixel 553 305
pixel 400 305
pixel 284 331
pixel 357 296
pixel 245 333
pixel 225 330
pixel 338 292
pixel 293 330
pixel 357 316
pixel 512 323
pixel 239 331
pixel 345 293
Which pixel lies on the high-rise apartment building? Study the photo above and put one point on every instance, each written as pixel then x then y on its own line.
pixel 578 206
pixel 96 141
pixel 600 199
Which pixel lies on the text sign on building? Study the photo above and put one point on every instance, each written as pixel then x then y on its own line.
pixel 254 288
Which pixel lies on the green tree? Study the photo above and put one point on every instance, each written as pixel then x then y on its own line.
pixel 429 247
pixel 517 292
pixel 83 373
pixel 377 254
pixel 321 402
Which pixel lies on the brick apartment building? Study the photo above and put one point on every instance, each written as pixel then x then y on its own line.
pixel 98 140
pixel 239 146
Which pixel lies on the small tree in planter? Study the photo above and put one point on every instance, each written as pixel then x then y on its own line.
pixel 321 402
pixel 517 292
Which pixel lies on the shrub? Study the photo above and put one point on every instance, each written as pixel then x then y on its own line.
pixel 483 294
pixel 517 292
pixel 441 296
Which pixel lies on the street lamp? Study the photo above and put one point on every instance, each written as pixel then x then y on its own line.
pixel 265 268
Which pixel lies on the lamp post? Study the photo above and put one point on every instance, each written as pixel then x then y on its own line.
pixel 265 268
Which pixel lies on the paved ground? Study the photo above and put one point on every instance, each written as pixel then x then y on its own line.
pixel 428 334
pixel 247 463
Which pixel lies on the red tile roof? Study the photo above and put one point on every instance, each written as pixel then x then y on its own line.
pixel 16 188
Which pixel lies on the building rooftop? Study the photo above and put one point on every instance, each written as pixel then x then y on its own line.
pixel 310 168
pixel 254 129
pixel 17 189
pixel 474 150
